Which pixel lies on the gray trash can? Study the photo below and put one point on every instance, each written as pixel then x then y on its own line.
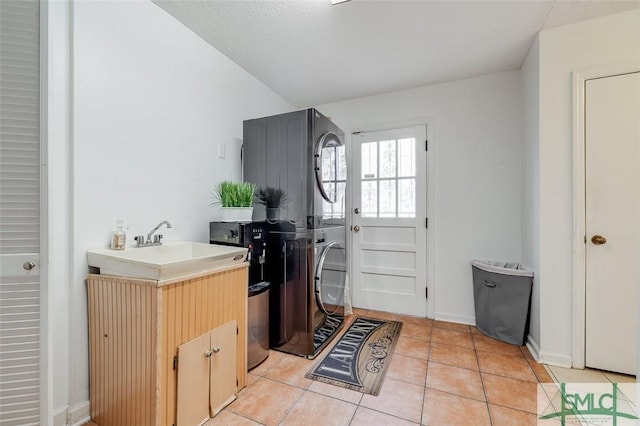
pixel 502 295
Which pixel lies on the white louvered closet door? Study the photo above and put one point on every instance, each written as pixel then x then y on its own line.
pixel 19 212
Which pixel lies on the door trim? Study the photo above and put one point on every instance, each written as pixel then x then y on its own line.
pixel 46 372
pixel 580 78
pixel 430 123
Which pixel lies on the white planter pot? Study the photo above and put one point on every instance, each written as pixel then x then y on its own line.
pixel 236 214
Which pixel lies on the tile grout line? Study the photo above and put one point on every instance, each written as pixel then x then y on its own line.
pixel 424 390
pixel 388 414
pixel 354 414
pixel 529 365
pixel 484 391
pixel 357 404
pixel 512 408
pixel 426 376
pixel 291 408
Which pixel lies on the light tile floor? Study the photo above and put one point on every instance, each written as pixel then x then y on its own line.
pixel 570 375
pixel 441 374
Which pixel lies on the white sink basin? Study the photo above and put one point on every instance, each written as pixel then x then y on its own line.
pixel 170 260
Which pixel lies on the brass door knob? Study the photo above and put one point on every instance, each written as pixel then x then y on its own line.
pixel 356 228
pixel 598 240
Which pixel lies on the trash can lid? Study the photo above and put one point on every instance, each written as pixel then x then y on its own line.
pixel 505 268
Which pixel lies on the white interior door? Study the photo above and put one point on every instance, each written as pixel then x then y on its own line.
pixel 389 220
pixel 612 153
pixel 20 320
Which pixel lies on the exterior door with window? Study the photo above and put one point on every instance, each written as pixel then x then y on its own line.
pixel 389 221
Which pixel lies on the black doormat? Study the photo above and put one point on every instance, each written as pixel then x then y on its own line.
pixel 360 358
pixel 325 332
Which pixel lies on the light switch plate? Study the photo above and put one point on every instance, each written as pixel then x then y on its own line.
pixel 221 151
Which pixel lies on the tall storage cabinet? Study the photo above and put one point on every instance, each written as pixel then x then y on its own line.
pixel 135 329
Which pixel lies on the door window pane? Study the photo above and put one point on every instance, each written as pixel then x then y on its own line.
pixel 407 198
pixel 388 198
pixel 407 157
pixel 369 160
pixel 388 178
pixel 370 198
pixel 388 159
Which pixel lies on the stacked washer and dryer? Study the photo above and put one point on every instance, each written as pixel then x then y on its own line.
pixel 301 156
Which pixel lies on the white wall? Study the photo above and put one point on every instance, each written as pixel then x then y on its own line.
pixel 476 127
pixel 531 181
pixel 151 103
pixel 610 40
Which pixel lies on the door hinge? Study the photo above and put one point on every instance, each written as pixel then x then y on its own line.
pixel 426 145
pixel 585 239
pixel 237 331
pixel 426 292
pixel 175 362
pixel 426 222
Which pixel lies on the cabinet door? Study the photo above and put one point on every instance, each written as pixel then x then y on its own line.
pixel 223 387
pixel 193 381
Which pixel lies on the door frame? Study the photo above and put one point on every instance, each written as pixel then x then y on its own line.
pixel 430 123
pixel 46 372
pixel 580 78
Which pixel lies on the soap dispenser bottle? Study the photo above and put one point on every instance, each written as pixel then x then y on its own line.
pixel 119 237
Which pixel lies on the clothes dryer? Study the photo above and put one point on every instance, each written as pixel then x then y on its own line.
pixel 301 156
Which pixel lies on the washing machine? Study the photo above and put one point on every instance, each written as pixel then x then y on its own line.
pixel 329 280
pixel 301 156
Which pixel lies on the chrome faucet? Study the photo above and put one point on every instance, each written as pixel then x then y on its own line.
pixel 157 239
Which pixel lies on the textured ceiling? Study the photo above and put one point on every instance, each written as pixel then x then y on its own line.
pixel 312 53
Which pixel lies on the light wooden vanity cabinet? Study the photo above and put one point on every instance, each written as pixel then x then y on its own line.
pixel 141 334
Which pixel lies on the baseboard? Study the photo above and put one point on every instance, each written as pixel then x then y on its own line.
pixel 77 415
pixel 549 358
pixel 533 347
pixel 60 419
pixel 555 359
pixel 461 319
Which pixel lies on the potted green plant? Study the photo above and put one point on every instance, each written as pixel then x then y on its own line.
pixel 272 199
pixel 235 200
